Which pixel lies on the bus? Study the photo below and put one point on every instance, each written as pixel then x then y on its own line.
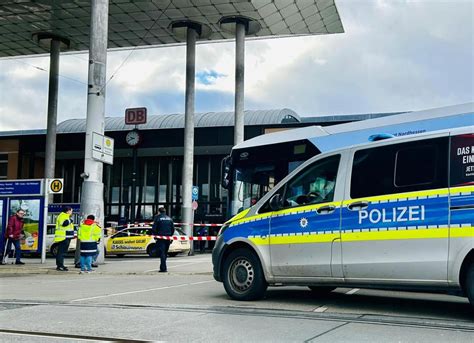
pixel 255 166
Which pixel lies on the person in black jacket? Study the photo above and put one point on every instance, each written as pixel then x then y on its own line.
pixel 163 226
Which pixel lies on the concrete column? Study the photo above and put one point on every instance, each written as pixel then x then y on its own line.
pixel 239 81
pixel 188 162
pixel 92 199
pixel 50 157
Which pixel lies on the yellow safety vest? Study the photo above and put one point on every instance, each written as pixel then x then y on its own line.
pixel 89 235
pixel 63 232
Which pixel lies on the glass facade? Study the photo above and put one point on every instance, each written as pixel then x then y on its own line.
pixel 158 184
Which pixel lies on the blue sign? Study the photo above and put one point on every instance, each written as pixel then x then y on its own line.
pixel 57 208
pixel 195 193
pixel 26 187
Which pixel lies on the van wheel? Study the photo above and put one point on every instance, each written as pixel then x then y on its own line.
pixel 54 250
pixel 172 254
pixel 321 290
pixel 243 276
pixel 152 251
pixel 120 255
pixel 470 284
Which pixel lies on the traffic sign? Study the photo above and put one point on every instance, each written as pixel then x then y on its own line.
pixel 195 205
pixel 195 193
pixel 135 116
pixel 55 186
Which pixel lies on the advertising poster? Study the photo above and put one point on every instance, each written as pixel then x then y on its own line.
pixel 31 229
pixel 462 160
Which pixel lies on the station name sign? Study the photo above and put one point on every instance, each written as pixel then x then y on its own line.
pixel 27 187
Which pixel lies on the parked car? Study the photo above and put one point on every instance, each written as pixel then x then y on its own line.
pixel 51 246
pixel 139 240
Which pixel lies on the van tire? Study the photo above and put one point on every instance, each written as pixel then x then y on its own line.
pixel 321 290
pixel 120 255
pixel 172 254
pixel 54 250
pixel 470 284
pixel 243 276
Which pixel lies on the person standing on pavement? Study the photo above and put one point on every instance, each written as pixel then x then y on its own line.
pixel 89 234
pixel 163 226
pixel 63 235
pixel 13 235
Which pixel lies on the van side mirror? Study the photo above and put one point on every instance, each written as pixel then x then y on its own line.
pixel 275 202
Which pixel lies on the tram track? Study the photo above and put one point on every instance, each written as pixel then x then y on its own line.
pixel 350 318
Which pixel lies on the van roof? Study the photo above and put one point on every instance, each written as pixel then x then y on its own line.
pixel 337 136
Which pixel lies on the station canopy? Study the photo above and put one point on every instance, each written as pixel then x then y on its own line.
pixel 148 22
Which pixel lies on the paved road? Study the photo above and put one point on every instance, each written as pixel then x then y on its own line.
pixel 128 299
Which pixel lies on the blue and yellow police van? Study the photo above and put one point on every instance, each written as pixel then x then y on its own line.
pixel 394 213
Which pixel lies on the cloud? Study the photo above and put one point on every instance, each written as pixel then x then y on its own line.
pixel 394 56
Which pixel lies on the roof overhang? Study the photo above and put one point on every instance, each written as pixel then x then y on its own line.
pixel 148 22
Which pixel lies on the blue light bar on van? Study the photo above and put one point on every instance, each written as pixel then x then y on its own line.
pixel 380 136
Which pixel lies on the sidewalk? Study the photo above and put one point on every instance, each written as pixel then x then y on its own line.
pixel 131 265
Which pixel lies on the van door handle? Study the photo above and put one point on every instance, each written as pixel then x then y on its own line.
pixel 358 205
pixel 326 209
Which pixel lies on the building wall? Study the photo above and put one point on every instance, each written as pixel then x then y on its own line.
pixel 9 152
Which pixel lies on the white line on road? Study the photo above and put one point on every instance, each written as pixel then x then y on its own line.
pixel 352 291
pixel 181 265
pixel 142 291
pixel 320 309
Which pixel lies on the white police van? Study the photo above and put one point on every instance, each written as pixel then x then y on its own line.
pixel 396 213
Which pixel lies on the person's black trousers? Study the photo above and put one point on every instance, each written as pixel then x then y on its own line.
pixel 63 247
pixel 163 246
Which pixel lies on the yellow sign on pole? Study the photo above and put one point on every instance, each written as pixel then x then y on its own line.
pixel 55 186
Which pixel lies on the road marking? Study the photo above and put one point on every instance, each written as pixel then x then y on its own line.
pixel 180 265
pixel 320 309
pixel 44 335
pixel 352 291
pixel 142 291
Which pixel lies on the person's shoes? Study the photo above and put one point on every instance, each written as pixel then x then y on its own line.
pixel 65 269
pixel 19 262
pixel 91 271
pixel 62 269
pixel 162 271
pixel 82 272
pixel 95 266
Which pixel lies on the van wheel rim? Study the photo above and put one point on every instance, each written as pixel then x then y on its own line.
pixel 241 275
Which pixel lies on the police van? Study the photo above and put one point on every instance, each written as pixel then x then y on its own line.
pixel 395 213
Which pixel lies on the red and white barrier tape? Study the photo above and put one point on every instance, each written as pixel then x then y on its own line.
pixel 175 224
pixel 186 238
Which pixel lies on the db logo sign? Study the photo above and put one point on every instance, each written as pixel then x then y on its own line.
pixel 55 186
pixel 135 116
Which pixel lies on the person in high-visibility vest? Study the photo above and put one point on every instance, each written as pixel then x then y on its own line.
pixel 63 235
pixel 89 234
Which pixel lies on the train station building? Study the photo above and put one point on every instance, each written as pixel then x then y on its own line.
pixel 160 158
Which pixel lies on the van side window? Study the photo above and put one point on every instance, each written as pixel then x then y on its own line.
pixel 462 160
pixel 313 185
pixel 399 168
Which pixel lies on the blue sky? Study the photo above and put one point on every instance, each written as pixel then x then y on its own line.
pixel 393 56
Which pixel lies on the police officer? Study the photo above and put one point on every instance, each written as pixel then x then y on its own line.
pixel 63 235
pixel 163 226
pixel 89 234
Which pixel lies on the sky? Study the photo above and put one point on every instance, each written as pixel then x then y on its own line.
pixel 393 56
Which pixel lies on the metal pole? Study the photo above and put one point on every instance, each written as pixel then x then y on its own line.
pixel 188 161
pixel 92 199
pixel 239 99
pixel 45 221
pixel 239 82
pixel 134 185
pixel 50 157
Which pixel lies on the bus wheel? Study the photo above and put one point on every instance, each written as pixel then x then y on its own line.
pixel 54 250
pixel 321 290
pixel 470 284
pixel 243 276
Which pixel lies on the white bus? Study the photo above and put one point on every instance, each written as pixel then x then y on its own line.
pixel 255 166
